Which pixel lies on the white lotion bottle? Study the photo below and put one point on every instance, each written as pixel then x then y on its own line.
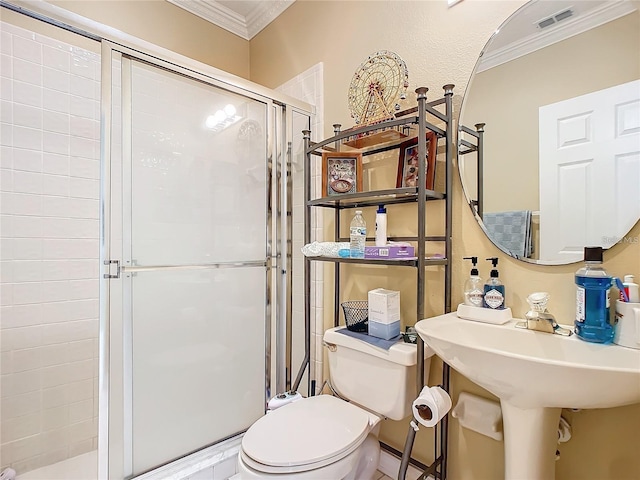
pixel 381 226
pixel 633 292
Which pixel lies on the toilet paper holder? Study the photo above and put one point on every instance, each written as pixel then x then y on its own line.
pixel 479 414
pixel 431 406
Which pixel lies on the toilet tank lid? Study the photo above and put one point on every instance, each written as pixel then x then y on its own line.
pixel 400 352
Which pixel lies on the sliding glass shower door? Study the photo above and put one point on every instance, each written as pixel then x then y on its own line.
pixel 189 216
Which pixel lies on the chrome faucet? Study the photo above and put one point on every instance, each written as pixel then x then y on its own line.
pixel 539 319
pixel 543 322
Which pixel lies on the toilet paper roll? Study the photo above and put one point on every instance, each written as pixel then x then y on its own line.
pixel 431 406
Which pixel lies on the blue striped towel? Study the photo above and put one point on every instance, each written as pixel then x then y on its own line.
pixel 511 230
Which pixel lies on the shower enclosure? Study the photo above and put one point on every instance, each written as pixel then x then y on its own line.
pixel 49 238
pixel 194 208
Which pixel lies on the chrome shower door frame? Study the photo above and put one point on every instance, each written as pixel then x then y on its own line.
pixel 115 385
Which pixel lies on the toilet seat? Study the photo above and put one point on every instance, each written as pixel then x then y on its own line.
pixel 305 435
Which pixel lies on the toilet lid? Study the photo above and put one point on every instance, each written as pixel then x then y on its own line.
pixel 306 432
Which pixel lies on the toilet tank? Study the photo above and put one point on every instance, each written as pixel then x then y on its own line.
pixel 383 381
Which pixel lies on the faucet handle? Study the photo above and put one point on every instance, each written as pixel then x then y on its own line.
pixel 538 301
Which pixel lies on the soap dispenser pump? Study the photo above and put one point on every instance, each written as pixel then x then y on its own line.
pixel 494 289
pixel 473 289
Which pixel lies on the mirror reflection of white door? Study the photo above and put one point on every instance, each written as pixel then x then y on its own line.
pixel 589 171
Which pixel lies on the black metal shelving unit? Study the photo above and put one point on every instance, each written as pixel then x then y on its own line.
pixel 466 147
pixel 439 111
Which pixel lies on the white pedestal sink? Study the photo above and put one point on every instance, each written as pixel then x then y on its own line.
pixel 534 375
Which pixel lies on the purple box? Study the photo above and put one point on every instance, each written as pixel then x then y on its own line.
pixel 390 252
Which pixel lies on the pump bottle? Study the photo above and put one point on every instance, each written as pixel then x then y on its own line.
pixel 473 289
pixel 381 226
pixel 493 289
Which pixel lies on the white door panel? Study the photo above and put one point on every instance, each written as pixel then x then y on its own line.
pixel 589 160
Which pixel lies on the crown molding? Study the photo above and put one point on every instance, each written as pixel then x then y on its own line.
pixel 216 13
pixel 264 14
pixel 596 17
pixel 244 26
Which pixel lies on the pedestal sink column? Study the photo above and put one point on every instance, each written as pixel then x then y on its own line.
pixel 530 442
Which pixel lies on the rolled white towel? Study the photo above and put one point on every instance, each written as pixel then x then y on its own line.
pixel 323 249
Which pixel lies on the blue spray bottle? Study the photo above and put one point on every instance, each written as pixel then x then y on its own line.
pixel 493 289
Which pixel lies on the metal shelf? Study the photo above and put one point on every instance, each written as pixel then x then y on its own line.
pixel 477 146
pixel 417 118
pixel 374 198
pixel 405 262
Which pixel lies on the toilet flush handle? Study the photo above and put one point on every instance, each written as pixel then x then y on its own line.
pixel 331 346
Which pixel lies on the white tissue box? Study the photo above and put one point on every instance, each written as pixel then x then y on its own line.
pixel 384 313
pixel 384 306
pixel 384 330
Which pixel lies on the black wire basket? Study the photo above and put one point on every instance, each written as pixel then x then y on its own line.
pixel 356 315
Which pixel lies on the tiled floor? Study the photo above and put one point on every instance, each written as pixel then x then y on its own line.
pixel 382 476
pixel 77 468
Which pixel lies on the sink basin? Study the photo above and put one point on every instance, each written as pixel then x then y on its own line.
pixel 534 375
pixel 535 369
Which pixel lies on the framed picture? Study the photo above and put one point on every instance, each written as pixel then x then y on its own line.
pixel 341 173
pixel 408 162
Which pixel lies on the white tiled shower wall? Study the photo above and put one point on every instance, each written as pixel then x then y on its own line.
pixel 49 172
pixel 308 87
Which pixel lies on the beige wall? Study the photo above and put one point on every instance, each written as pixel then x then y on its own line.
pixel 508 96
pixel 171 27
pixel 440 46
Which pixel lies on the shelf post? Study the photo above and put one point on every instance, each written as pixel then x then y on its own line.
pixel 336 235
pixel 448 97
pixel 306 136
pixel 422 200
pixel 336 131
pixel 422 224
pixel 444 427
pixel 480 176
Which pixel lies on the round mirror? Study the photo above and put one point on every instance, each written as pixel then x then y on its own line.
pixel 549 136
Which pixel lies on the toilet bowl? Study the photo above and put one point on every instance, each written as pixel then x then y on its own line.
pixel 319 437
pixel 326 437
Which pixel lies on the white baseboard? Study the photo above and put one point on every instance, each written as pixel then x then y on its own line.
pixel 390 466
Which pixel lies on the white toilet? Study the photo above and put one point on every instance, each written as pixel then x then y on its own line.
pixel 324 437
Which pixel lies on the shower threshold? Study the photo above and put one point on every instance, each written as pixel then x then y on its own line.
pixel 81 467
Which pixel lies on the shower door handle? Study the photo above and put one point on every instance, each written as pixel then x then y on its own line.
pixel 108 263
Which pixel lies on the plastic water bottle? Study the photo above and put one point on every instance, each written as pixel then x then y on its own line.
pixel 593 286
pixel 357 236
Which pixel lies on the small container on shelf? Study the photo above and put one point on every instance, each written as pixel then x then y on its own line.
pixel 384 313
pixel 390 251
pixel 381 227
